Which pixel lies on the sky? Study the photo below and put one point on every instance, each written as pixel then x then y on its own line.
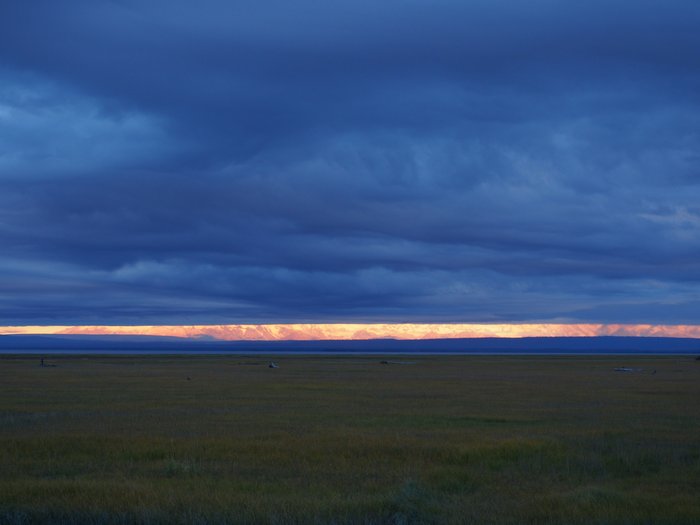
pixel 404 161
pixel 350 331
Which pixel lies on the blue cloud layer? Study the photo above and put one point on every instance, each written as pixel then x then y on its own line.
pixel 162 162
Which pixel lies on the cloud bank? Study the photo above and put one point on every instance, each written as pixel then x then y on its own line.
pixel 276 162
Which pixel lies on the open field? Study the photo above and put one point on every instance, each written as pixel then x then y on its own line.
pixel 348 440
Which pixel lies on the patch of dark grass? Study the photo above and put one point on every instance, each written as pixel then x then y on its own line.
pixel 449 440
pixel 413 503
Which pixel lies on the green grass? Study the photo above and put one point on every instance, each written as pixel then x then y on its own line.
pixel 501 440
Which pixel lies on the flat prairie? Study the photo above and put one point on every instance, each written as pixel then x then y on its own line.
pixel 334 439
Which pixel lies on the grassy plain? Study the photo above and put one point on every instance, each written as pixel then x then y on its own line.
pixel 492 440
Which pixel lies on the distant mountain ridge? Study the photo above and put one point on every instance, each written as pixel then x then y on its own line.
pixel 550 345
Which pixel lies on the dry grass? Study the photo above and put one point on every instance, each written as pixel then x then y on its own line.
pixel 502 440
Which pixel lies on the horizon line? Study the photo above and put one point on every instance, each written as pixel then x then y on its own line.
pixel 364 331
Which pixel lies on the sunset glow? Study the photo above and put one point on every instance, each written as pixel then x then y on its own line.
pixel 279 332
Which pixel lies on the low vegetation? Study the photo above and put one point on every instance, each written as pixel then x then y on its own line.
pixel 483 440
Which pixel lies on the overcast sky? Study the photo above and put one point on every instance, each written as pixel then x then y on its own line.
pixel 358 161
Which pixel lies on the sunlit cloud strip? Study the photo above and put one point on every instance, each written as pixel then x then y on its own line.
pixel 276 332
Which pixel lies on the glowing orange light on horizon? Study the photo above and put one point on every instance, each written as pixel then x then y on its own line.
pixel 307 331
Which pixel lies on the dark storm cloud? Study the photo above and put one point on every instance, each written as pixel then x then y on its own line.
pixel 388 161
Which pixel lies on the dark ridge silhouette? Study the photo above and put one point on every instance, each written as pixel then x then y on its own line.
pixel 547 345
